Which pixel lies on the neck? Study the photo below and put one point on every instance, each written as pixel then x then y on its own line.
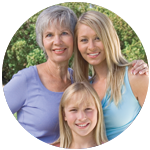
pixel 101 71
pixel 79 142
pixel 59 71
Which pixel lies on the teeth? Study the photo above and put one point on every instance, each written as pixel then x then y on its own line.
pixel 94 54
pixel 59 50
pixel 82 125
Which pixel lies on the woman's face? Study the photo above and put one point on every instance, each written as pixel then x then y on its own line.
pixel 58 43
pixel 90 46
pixel 81 118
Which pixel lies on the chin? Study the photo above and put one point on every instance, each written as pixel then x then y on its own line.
pixel 61 60
pixel 94 63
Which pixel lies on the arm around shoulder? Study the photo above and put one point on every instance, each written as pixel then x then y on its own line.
pixel 139 85
pixel 15 91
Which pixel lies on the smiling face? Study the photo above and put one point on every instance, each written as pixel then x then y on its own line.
pixel 81 115
pixel 58 43
pixel 90 46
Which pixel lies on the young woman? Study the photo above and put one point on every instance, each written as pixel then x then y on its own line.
pixel 122 93
pixel 35 92
pixel 80 118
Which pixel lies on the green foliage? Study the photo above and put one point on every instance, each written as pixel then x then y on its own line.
pixel 130 44
pixel 35 57
pixel 23 50
pixel 22 43
pixel 77 7
pixel 15 115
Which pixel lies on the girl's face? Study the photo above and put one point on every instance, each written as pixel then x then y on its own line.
pixel 81 118
pixel 90 46
pixel 58 43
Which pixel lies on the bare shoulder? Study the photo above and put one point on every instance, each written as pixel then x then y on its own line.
pixel 139 85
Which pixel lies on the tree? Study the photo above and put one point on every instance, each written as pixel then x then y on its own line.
pixel 23 50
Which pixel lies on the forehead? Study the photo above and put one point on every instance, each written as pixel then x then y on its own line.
pixel 84 30
pixel 80 99
pixel 57 24
pixel 53 27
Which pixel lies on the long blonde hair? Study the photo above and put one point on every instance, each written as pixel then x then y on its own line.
pixel 116 63
pixel 86 92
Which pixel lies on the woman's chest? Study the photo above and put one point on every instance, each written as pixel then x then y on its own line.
pixel 41 109
pixel 100 88
pixel 55 85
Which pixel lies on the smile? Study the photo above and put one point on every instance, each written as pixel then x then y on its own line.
pixel 59 51
pixel 93 55
pixel 82 125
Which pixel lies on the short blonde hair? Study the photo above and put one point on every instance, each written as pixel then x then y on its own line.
pixel 86 92
pixel 116 63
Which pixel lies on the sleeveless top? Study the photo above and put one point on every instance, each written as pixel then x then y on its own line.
pixel 118 118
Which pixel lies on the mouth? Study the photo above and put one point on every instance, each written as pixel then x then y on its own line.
pixel 93 55
pixel 59 51
pixel 82 125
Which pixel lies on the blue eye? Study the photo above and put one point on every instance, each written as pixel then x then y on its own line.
pixel 64 33
pixel 88 109
pixel 49 35
pixel 83 40
pixel 97 38
pixel 73 110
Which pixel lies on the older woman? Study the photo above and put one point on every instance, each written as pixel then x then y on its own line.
pixel 122 94
pixel 35 92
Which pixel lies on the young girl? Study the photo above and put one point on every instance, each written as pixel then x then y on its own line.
pixel 121 92
pixel 80 118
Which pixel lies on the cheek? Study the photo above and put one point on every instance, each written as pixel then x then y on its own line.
pixel 46 43
pixel 80 47
pixel 69 117
pixel 93 116
pixel 101 46
pixel 70 41
pixel 82 50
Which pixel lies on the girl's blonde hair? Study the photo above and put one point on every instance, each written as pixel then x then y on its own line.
pixel 86 93
pixel 116 63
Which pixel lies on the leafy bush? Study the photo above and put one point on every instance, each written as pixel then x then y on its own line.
pixel 23 50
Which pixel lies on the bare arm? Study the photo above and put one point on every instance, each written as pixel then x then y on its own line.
pixel 139 85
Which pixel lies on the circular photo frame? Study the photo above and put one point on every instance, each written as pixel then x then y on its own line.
pixel 23 50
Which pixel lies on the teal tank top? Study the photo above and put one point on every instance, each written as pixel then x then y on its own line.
pixel 118 118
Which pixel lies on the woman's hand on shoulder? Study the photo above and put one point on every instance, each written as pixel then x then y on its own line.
pixel 139 67
pixel 139 85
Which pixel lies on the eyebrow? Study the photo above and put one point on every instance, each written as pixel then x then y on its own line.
pixel 76 106
pixel 83 36
pixel 51 31
pixel 72 107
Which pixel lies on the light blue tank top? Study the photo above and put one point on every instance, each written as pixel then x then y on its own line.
pixel 118 118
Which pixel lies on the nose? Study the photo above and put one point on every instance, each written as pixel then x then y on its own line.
pixel 81 116
pixel 91 45
pixel 57 40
